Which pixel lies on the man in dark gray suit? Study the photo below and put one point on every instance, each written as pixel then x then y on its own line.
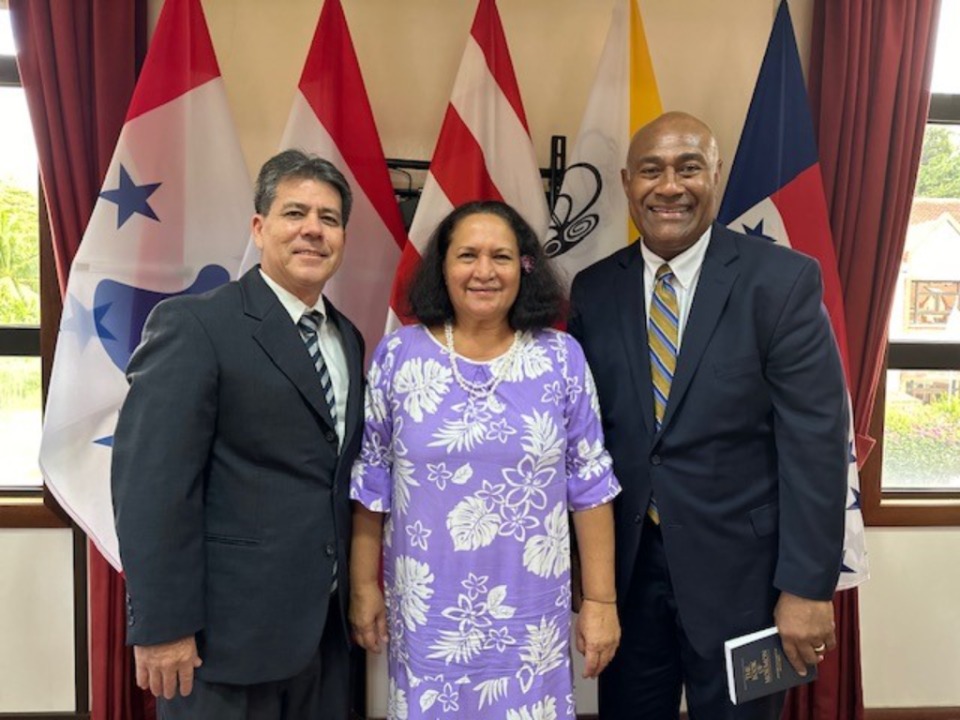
pixel 724 409
pixel 231 469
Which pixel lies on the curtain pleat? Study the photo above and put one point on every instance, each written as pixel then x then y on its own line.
pixel 78 63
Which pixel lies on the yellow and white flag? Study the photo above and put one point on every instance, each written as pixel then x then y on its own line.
pixel 590 218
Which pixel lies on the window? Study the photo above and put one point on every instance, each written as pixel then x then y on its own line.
pixel 914 473
pixel 20 374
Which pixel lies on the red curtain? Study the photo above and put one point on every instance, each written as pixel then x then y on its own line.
pixel 870 67
pixel 837 693
pixel 78 63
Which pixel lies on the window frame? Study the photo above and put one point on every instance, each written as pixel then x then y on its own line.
pixel 917 508
pixel 33 507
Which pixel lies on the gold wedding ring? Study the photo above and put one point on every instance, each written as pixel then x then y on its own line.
pixel 820 648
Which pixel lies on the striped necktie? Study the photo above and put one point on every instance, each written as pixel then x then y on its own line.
pixel 309 327
pixel 663 337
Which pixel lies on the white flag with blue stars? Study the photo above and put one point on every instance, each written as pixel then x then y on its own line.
pixel 172 218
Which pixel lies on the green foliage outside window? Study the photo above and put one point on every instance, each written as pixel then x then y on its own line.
pixel 939 175
pixel 19 384
pixel 19 256
pixel 921 444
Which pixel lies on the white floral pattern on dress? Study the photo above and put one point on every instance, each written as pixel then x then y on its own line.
pixel 545 709
pixel 419 535
pixel 543 651
pixel 477 491
pixel 469 427
pixel 549 555
pixel 591 460
pixel 411 590
pixel 396 701
pixel 423 384
pixel 529 362
pixel 490 691
pixel 471 525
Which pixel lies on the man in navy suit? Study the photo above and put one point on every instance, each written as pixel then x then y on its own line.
pixel 732 512
pixel 231 469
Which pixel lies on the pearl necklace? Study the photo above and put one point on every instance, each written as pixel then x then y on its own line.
pixel 498 369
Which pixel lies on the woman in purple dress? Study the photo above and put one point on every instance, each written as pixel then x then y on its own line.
pixel 482 433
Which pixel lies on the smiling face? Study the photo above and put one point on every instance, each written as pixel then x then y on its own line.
pixel 301 237
pixel 482 269
pixel 671 181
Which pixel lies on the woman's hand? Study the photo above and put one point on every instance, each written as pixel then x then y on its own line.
pixel 598 628
pixel 368 617
pixel 598 635
pixel 368 613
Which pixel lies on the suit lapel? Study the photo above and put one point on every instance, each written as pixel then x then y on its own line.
pixel 633 328
pixel 354 357
pixel 278 337
pixel 717 275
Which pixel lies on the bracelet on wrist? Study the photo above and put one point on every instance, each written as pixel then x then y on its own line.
pixel 597 600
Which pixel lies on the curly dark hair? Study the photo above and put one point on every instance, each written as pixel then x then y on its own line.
pixel 539 301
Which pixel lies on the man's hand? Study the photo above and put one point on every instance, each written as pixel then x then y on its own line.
pixel 161 667
pixel 598 635
pixel 368 616
pixel 806 629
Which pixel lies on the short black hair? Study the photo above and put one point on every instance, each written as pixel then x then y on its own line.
pixel 540 298
pixel 299 165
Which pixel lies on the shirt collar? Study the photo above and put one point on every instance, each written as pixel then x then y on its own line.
pixel 686 265
pixel 294 306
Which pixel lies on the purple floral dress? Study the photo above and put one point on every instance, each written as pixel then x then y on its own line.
pixel 477 488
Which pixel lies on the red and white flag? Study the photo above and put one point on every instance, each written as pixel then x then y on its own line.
pixel 172 218
pixel 483 152
pixel 331 117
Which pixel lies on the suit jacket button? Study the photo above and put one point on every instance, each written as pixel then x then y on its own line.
pixel 639 518
pixel 331 436
pixel 655 460
pixel 330 550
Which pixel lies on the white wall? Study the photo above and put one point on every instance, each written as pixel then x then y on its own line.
pixel 36 621
pixel 910 618
pixel 706 55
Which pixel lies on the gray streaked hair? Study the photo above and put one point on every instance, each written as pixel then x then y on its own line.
pixel 299 165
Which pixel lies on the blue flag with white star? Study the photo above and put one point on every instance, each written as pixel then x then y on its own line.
pixel 775 191
pixel 172 218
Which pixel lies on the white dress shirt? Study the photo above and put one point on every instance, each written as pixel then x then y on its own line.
pixel 331 345
pixel 686 274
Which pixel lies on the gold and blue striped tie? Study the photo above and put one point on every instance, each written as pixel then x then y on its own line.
pixel 663 337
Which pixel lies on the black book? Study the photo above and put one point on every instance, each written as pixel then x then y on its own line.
pixel 757 666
